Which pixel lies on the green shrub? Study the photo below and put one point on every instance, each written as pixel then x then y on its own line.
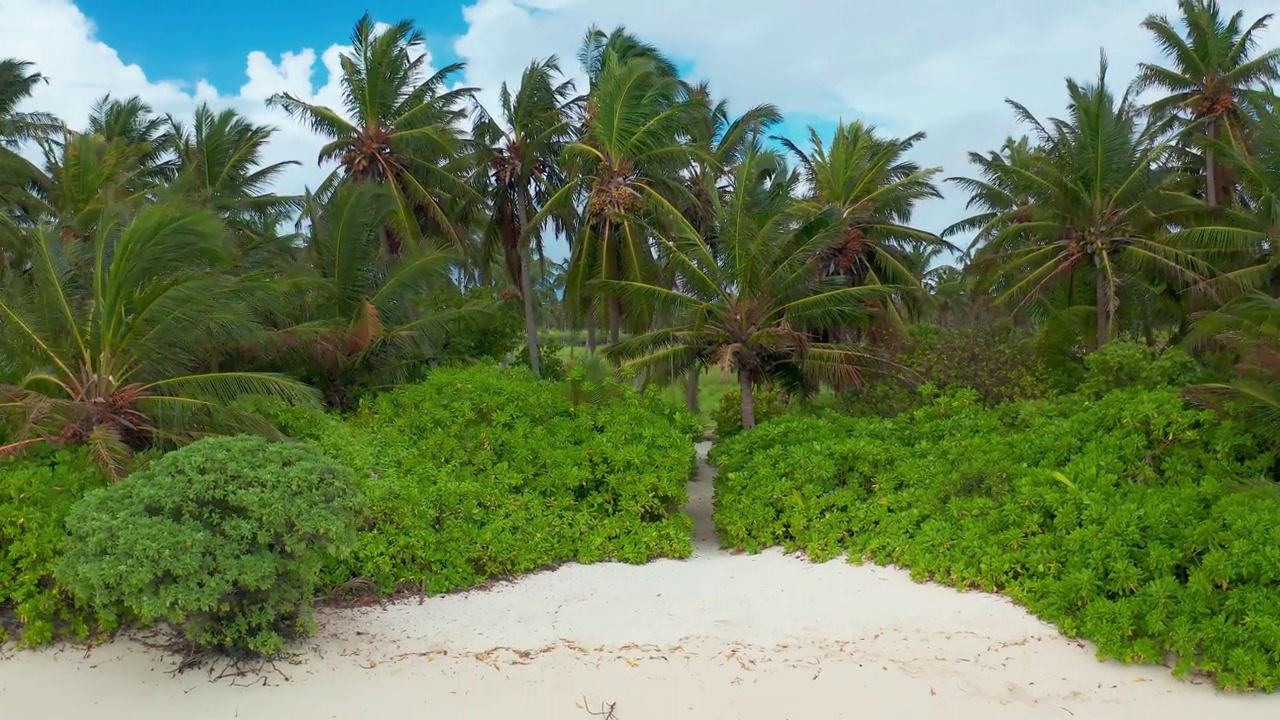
pixel 549 353
pixel 998 362
pixel 225 538
pixel 486 336
pixel 881 397
pixel 770 403
pixel 36 493
pixel 1126 364
pixel 1120 519
pixel 480 473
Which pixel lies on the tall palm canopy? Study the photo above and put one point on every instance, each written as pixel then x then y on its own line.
pixel 154 276
pixel 520 169
pixel 625 171
pixel 756 306
pixel 1212 77
pixel 1095 197
pixel 398 125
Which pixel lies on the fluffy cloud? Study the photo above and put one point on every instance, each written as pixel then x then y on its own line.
pixel 82 69
pixel 940 66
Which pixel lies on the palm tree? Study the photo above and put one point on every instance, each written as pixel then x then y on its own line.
pixel 132 125
pixel 1212 75
pixel 520 166
pixel 1099 198
pixel 717 142
pixel 1251 327
pixel 1001 194
pixel 755 306
pixel 600 49
pixel 89 177
pixel 398 127
pixel 863 185
pixel 18 81
pixel 352 317
pixel 219 167
pixel 110 334
pixel 1251 260
pixel 625 166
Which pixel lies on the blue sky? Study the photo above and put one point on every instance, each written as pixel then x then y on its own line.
pixel 936 66
pixel 199 39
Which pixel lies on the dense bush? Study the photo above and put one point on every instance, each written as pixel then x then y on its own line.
pixel 226 539
pixel 487 336
pixel 479 473
pixel 1118 519
pixel 998 362
pixel 36 493
pixel 1124 364
pixel 549 354
pixel 770 403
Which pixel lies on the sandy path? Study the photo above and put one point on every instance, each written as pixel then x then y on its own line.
pixel 717 636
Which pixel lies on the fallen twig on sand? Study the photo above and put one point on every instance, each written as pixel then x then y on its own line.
pixel 606 711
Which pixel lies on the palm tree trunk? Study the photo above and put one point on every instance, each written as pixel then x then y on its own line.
pixel 691 390
pixel 615 320
pixel 1148 327
pixel 748 400
pixel 1210 172
pixel 1104 306
pixel 526 290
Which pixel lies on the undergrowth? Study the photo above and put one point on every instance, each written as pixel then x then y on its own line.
pixel 1132 520
pixel 481 473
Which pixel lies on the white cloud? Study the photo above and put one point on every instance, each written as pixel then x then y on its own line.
pixel 941 66
pixel 81 69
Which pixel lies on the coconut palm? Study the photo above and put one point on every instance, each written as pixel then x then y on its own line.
pixel 625 167
pixel 1250 326
pixel 1250 257
pixel 219 159
pixel 110 334
pixel 352 315
pixel 1212 75
pixel 89 177
pixel 132 125
pixel 1001 193
pixel 18 80
pixel 718 142
pixel 756 306
pixel 398 126
pixel 863 184
pixel 599 49
pixel 1100 199
pixel 520 151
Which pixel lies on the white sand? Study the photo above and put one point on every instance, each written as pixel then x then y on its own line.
pixel 717 636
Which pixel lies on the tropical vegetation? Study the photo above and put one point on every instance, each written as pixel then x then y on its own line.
pixel 476 319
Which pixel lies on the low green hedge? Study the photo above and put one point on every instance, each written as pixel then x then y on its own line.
pixel 481 473
pixel 1120 519
pixel 37 492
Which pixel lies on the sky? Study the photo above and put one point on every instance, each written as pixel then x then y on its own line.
pixel 941 67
